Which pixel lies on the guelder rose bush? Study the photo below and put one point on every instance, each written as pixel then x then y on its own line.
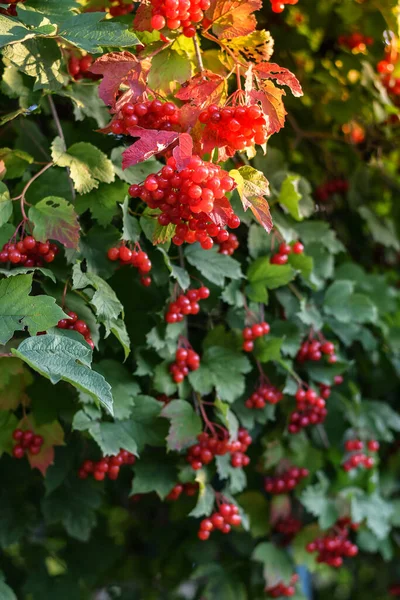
pixel 199 300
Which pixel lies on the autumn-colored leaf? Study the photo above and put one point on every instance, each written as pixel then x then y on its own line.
pixel 118 68
pixel 282 76
pixel 252 186
pixel 222 211
pixel 270 98
pixel 142 18
pixel 201 90
pixel 256 47
pixel 55 219
pixel 53 435
pixel 150 142
pixel 183 151
pixel 233 18
pixel 14 378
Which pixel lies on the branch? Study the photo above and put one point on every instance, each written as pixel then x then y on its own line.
pixel 22 196
pixel 197 50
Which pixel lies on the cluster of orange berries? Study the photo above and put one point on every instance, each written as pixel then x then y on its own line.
pixel 278 6
pixel 178 14
pixel 356 41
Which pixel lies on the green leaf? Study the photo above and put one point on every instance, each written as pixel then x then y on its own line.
pixel 258 243
pixel 102 202
pixel 223 369
pixel 136 173
pixel 74 504
pixel 347 306
pixel 150 478
pixel 377 417
pixel 382 230
pixel 61 358
pixel 268 348
pixel 19 310
pixel 253 186
pixel 5 204
pixel 227 417
pixel 374 509
pixel 39 58
pixel 290 196
pixel 162 380
pixel 16 161
pixel 87 103
pixel 205 499
pixel 213 266
pixel 302 263
pixel 55 219
pixel 130 225
pixel 6 592
pixel 24 270
pixel 8 422
pixel 185 424
pixel 90 32
pixel 236 476
pixel 168 69
pixel 277 567
pixel 255 506
pixel 262 275
pixel 178 273
pixel 111 437
pixel 12 31
pixel 124 387
pixel 87 164
pixel 315 499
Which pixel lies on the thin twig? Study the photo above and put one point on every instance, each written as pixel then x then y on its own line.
pixel 21 197
pixel 61 134
pixel 197 50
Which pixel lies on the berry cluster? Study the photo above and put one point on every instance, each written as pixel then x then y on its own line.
pixel 355 41
pixel 149 114
pixel 359 458
pixel 186 304
pixel 249 334
pixel 308 398
pixel 190 489
pixel 278 6
pixel 176 14
pixel 236 127
pixel 313 350
pixel 280 589
pixel 188 198
pixel 108 465
pixel 28 252
pixel 287 527
pixel 386 69
pixel 264 394
pixel 223 519
pixel 282 256
pixel 229 245
pixel 185 360
pixel 27 442
pixel 75 324
pixel 286 481
pixel 136 258
pixel 78 67
pixel 119 8
pixel 11 9
pixel 335 545
pixel 335 186
pixel 209 446
pixel 310 410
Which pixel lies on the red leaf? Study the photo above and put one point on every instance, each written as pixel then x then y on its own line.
pixel 53 435
pixel 117 68
pixel 222 211
pixel 183 151
pixel 150 142
pixel 271 101
pixel 201 90
pixel 233 18
pixel 142 18
pixel 280 74
pixel 252 186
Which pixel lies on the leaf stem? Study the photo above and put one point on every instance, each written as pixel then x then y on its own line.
pixel 61 134
pixel 197 50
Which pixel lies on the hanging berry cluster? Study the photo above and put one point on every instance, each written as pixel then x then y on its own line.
pixel 209 446
pixel 280 589
pixel 386 69
pixel 76 324
pixel 188 198
pixel 335 545
pixel 311 410
pixel 278 6
pixel 356 41
pixel 108 465
pixel 189 489
pixel 328 189
pixel 234 127
pixel 149 114
pixel 185 360
pixel 137 258
pixel 360 458
pixel 250 334
pixel 186 304
pixel 263 395
pixel 224 518
pixel 178 14
pixel 229 245
pixel 313 349
pixel 28 252
pixel 287 527
pixel 285 481
pixel 282 256
pixel 27 442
